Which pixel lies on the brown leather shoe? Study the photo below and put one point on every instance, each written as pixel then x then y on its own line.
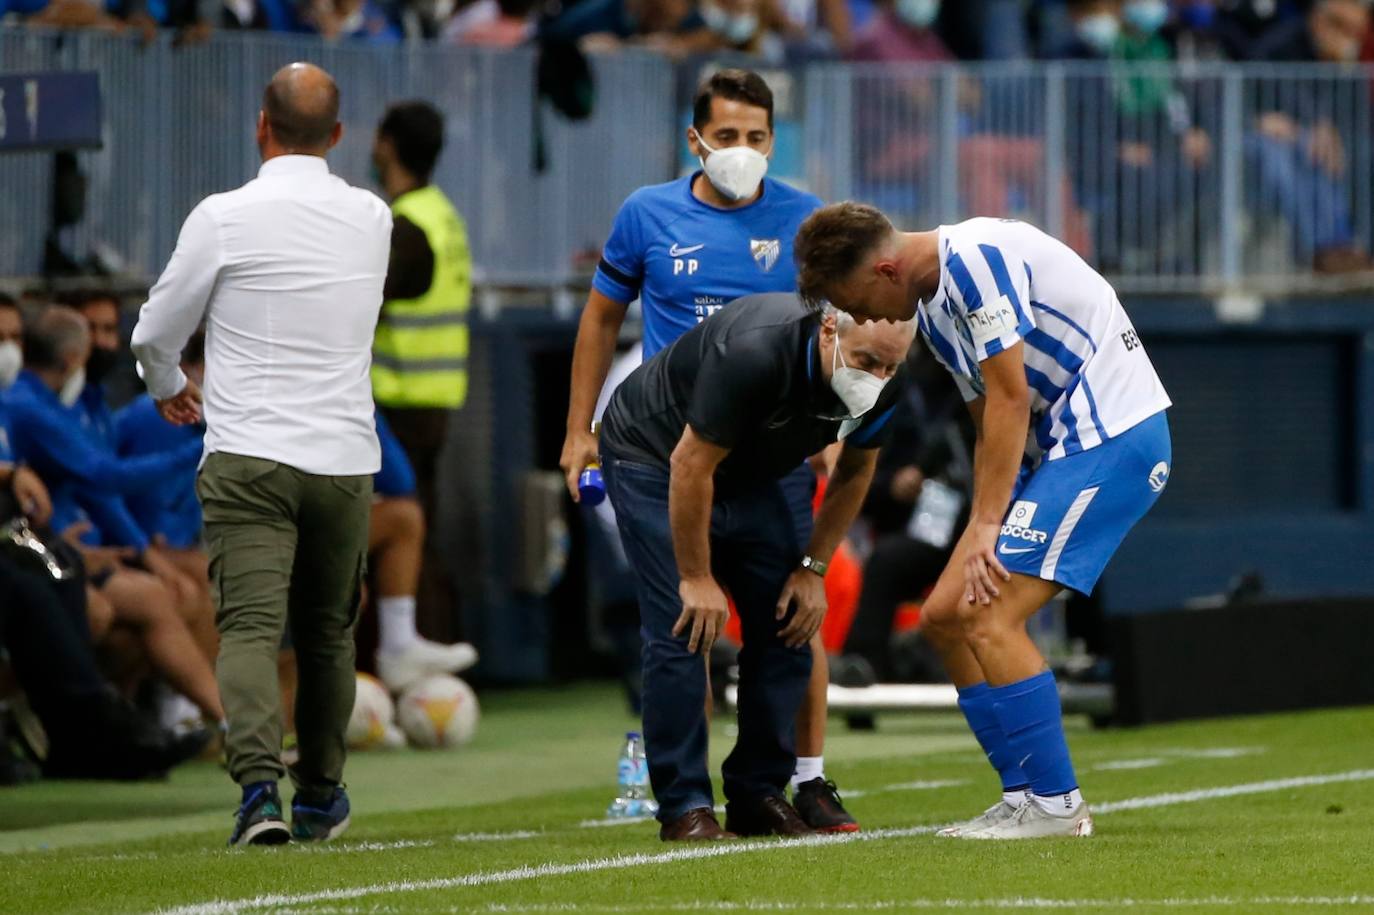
pixel 696 825
pixel 769 815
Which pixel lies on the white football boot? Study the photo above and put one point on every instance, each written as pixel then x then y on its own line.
pixel 995 814
pixel 1030 822
pixel 403 669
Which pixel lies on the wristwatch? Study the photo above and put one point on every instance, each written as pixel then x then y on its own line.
pixel 811 564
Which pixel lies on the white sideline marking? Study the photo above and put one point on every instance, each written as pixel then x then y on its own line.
pixel 1148 762
pixel 620 862
pixel 618 821
pixel 346 847
pixel 1208 794
pixel 494 836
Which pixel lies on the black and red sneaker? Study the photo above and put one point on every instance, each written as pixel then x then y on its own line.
pixel 818 802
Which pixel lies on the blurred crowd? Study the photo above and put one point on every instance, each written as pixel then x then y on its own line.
pixel 861 30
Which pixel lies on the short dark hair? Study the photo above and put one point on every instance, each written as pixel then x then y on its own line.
pixel 735 85
pixel 416 129
pixel 8 301
pixel 832 242
pixel 80 298
pixel 298 126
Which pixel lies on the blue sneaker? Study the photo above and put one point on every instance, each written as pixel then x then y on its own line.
pixel 259 820
pixel 312 822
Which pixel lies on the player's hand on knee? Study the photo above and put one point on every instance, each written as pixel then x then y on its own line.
pixel 982 568
pixel 579 450
pixel 705 610
pixel 806 590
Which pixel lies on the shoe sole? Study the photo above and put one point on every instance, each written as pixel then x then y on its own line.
pixel 334 832
pixel 842 827
pixel 269 832
pixel 1083 829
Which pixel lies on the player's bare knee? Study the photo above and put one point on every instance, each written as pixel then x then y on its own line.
pixel 940 624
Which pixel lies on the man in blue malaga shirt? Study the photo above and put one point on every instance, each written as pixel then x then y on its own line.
pixel 685 249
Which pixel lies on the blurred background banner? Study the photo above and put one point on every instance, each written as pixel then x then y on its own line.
pixel 49 110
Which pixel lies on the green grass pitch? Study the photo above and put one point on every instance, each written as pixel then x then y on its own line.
pixel 1268 814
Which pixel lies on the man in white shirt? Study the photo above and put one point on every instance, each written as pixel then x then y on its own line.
pixel 287 273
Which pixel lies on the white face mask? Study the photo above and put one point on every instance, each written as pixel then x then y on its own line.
pixel 1099 31
pixel 858 389
pixel 736 28
pixel 918 14
pixel 11 361
pixel 72 387
pixel 734 171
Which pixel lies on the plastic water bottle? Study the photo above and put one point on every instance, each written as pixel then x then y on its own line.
pixel 590 486
pixel 632 781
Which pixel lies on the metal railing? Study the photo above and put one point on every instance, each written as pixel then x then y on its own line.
pixel 1170 178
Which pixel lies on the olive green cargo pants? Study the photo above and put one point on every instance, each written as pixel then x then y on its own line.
pixel 285 545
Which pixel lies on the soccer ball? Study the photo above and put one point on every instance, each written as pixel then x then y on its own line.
pixel 372 715
pixel 439 711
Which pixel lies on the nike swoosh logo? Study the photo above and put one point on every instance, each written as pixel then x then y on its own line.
pixel 675 251
pixel 1005 551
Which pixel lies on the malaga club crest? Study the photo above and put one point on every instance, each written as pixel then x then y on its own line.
pixel 765 252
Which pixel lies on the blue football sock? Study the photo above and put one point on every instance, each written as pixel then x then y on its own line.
pixel 1033 723
pixel 976 704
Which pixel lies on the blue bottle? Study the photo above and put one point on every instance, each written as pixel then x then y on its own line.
pixel 590 486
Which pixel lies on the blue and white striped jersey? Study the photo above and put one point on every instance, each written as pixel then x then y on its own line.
pixel 1004 282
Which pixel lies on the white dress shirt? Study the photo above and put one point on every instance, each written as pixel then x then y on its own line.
pixel 287 272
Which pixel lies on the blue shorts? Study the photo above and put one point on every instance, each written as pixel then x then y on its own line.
pixel 1068 516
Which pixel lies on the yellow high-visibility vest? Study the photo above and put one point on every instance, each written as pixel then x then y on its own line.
pixel 419 358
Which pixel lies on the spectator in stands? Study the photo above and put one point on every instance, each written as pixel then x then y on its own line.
pixel 603 24
pixel 1147 202
pixel 362 20
pixel 1298 150
pixel 492 24
pixel 63 14
pixel 894 113
pixel 902 31
pixel 817 28
pixel 1241 24
pixel 85 477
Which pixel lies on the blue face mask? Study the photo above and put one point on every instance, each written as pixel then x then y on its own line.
pixel 1098 31
pixel 1146 16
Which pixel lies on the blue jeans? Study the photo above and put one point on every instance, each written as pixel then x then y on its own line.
pixel 1313 203
pixel 754 548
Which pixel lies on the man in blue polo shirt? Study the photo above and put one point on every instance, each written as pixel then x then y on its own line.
pixel 685 249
